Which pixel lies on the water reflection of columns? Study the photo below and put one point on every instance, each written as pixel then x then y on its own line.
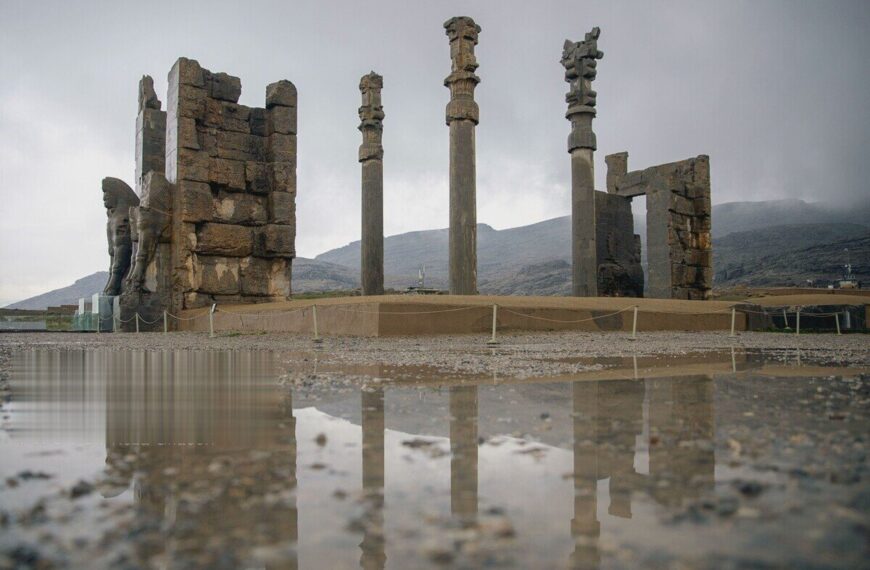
pixel 585 527
pixel 463 448
pixel 620 415
pixel 289 426
pixel 373 552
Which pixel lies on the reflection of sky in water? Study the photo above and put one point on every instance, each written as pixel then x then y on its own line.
pixel 577 468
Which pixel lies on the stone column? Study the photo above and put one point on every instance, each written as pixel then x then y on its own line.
pixel 585 527
pixel 463 449
pixel 373 543
pixel 579 60
pixel 371 156
pixel 462 117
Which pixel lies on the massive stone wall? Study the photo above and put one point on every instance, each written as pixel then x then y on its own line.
pixel 679 247
pixel 620 273
pixel 233 170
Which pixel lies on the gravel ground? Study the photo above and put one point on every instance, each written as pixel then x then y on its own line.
pixel 521 355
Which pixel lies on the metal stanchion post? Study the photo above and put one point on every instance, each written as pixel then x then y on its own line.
pixel 634 324
pixel 316 338
pixel 493 341
pixel 165 323
pixel 784 319
pixel 211 320
pixel 797 325
pixel 136 316
pixel 733 321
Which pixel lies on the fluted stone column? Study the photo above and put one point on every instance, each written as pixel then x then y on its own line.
pixel 463 450
pixel 462 117
pixel 580 60
pixel 371 156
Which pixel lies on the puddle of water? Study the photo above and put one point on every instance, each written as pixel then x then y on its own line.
pixel 192 459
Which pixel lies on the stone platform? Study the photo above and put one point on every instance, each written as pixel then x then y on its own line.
pixel 391 315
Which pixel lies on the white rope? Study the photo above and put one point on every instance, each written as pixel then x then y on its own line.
pixel 569 321
pixel 341 308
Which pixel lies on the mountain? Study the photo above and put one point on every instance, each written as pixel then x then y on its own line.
pixel 70 295
pixel 791 255
pixel 779 242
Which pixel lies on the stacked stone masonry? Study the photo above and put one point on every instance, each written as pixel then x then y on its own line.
pixel 679 247
pixel 233 169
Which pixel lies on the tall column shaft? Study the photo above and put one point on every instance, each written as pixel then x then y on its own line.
pixel 462 117
pixel 372 254
pixel 463 448
pixel 371 156
pixel 580 61
pixel 463 209
pixel 584 258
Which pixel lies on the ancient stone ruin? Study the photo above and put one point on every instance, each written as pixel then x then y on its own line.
pixel 678 222
pixel 463 116
pixel 371 156
pixel 216 182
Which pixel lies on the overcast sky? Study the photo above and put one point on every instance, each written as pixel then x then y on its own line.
pixel 775 92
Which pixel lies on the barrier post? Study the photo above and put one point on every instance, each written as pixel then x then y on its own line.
pixel 316 339
pixel 634 324
pixel 837 320
pixel 136 316
pixel 165 323
pixel 114 322
pixel 493 341
pixel 797 325
pixel 733 320
pixel 211 320
pixel 784 319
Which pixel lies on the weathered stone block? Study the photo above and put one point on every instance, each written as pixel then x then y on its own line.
pixel 282 208
pixel 192 102
pixel 239 146
pixel 282 176
pixel 188 72
pixel 257 122
pixel 281 93
pixel 187 135
pixel 281 120
pixel 229 173
pixel 276 241
pixel 208 140
pixel 224 87
pixel 255 275
pixel 224 239
pixel 257 177
pixel 240 209
pixel 196 201
pixel 193 165
pixel 217 275
pixel 227 116
pixel 281 148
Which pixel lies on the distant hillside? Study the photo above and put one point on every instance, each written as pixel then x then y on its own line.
pixel 777 242
pixel 70 295
pixel 790 255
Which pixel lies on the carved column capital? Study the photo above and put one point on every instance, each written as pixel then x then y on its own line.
pixel 580 60
pixel 371 115
pixel 462 32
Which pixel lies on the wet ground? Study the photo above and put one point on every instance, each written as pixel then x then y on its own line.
pixel 234 456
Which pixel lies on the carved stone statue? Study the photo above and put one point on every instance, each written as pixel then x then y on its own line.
pixel 152 220
pixel 118 198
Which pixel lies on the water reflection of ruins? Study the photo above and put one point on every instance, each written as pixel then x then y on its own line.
pixel 208 444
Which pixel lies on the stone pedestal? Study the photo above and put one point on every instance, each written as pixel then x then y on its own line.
pixel 462 117
pixel 371 154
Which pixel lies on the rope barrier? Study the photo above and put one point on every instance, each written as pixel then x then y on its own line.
pixel 453 310
pixel 571 321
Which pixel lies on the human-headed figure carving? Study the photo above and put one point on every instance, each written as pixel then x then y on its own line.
pixel 118 198
pixel 152 221
pixel 580 61
pixel 147 96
